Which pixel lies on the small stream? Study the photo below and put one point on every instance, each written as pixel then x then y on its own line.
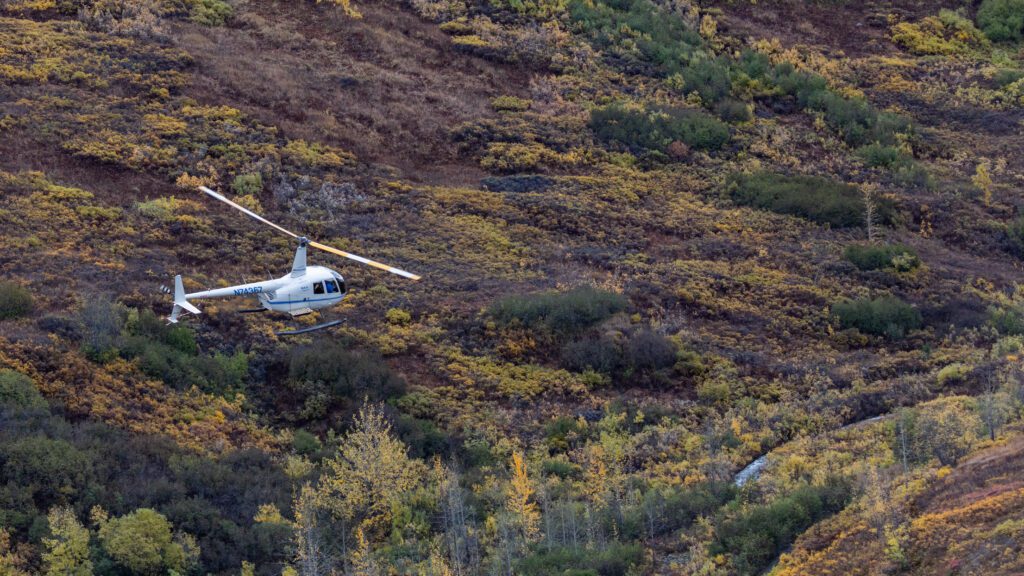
pixel 753 470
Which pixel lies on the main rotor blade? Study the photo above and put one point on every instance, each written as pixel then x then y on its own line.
pixel 367 261
pixel 221 197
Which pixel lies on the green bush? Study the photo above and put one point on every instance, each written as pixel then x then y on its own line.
pixel 636 35
pixel 876 257
pixel 15 300
pixel 18 391
pixel 1002 20
pixel 1009 320
pixel 211 12
pixel 559 312
pixel 247 184
pixel 904 168
pixel 755 537
pixel 331 376
pixel 856 121
pixel 305 443
pixel 170 353
pixel 1015 237
pixel 656 128
pixel 886 316
pixel 709 78
pixel 1006 76
pixel 732 110
pixel 810 197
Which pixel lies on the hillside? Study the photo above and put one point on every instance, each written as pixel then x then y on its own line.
pixel 658 240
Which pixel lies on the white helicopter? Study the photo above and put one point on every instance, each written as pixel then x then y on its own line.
pixel 299 292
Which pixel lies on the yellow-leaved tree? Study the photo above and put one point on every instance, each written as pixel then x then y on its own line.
pixel 520 501
pixel 371 470
pixel 67 548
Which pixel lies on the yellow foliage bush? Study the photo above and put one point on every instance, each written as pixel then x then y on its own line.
pixel 947 34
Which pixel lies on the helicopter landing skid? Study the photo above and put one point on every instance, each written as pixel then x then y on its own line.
pixel 252 310
pixel 307 330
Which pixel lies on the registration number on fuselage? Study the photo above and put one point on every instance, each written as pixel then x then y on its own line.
pixel 249 290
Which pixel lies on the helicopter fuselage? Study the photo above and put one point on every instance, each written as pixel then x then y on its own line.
pixel 318 287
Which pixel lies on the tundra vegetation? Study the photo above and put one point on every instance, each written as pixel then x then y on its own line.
pixel 659 240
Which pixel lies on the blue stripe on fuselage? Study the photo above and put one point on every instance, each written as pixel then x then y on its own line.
pixel 305 301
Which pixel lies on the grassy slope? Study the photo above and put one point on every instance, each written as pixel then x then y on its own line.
pixel 750 288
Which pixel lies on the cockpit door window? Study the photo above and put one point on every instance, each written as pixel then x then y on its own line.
pixel 331 286
pixel 318 288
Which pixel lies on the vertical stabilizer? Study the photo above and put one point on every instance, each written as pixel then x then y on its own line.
pixel 180 302
pixel 299 266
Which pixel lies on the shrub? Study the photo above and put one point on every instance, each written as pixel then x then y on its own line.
pixel 657 128
pixel 344 376
pixel 18 390
pixel 857 122
pixel 510 104
pixel 422 437
pixel 733 111
pixel 810 197
pixel 1008 320
pixel 648 350
pixel 753 538
pixel 709 78
pixel 211 12
pixel 952 374
pixel 247 184
pixel 1015 237
pixel 15 300
pixel 561 313
pixel 1006 76
pixel 1002 20
pixel 305 443
pixel 948 33
pixel 598 354
pixel 886 316
pixel 875 257
pixel 904 168
pixel 637 35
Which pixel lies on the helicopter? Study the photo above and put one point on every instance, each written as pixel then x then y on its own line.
pixel 301 291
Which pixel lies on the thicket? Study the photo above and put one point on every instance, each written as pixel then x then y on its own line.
pixel 656 128
pixel 884 316
pixel 163 351
pixel 636 35
pixel 856 121
pixel 754 538
pixel 877 256
pixel 641 353
pixel 330 380
pixel 47 461
pixel 811 197
pixel 1002 20
pixel 15 300
pixel 562 313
